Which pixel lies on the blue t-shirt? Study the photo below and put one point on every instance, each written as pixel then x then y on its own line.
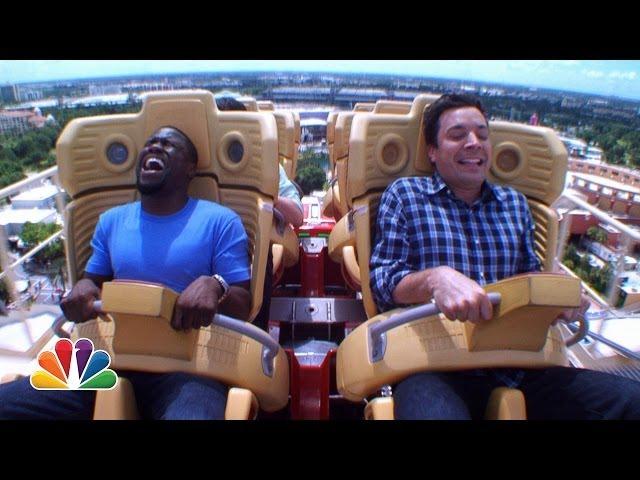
pixel 201 239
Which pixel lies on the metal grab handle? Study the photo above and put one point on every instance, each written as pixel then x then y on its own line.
pixel 616 346
pixel 579 332
pixel 378 330
pixel 270 347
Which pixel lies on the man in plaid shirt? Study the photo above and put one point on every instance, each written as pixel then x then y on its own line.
pixel 442 238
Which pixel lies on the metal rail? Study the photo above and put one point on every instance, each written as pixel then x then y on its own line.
pixel 13 189
pixel 629 236
pixel 596 212
pixel 617 347
pixel 22 184
pixel 32 252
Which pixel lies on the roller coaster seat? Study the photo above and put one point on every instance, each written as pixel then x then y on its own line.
pixel 383 147
pixel 237 167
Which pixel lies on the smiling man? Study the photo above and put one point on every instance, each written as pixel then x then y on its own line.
pixel 442 237
pixel 196 247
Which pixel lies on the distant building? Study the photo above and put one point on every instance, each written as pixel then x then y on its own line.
pixel 14 122
pixel 28 94
pixel 47 103
pixel 9 93
pixel 307 94
pixel 95 100
pixel 40 197
pixel 572 102
pixel 13 220
pixel 354 95
pixel 575 146
pixel 628 289
pixel 19 121
pixel 404 96
pixel 96 90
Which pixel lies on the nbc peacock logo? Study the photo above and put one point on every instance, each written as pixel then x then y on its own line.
pixel 74 366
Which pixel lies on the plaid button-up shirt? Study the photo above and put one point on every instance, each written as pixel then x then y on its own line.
pixel 421 225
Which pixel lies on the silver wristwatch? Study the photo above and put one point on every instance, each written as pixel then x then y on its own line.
pixel 225 287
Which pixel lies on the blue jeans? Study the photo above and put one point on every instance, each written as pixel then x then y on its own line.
pixel 164 396
pixel 557 393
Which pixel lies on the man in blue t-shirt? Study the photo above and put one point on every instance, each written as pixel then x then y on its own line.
pixel 195 247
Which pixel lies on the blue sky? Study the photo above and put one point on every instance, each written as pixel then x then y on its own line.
pixel 603 77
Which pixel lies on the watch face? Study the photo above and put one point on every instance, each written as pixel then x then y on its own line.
pixel 223 283
pixel 225 287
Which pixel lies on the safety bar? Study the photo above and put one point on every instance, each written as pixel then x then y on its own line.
pixel 270 347
pixel 377 330
pixel 22 184
pixel 580 332
pixel 617 347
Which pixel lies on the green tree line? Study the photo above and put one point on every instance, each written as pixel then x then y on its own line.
pixel 30 152
pixel 34 150
pixel 619 139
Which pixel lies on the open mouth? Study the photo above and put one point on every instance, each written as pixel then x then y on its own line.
pixel 152 164
pixel 471 161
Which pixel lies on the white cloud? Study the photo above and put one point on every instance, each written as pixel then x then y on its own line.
pixel 593 73
pixel 623 75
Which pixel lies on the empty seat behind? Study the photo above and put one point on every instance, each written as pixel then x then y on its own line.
pixel 265 106
pixel 364 107
pixel 286 141
pixel 344 125
pixel 297 134
pixel 392 106
pixel 284 242
pixel 342 134
pixel 331 135
pixel 250 103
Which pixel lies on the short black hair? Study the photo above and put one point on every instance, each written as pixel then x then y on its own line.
pixel 229 103
pixel 431 117
pixel 192 152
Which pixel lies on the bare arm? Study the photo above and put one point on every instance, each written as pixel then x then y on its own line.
pixel 290 210
pixel 97 280
pixel 457 296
